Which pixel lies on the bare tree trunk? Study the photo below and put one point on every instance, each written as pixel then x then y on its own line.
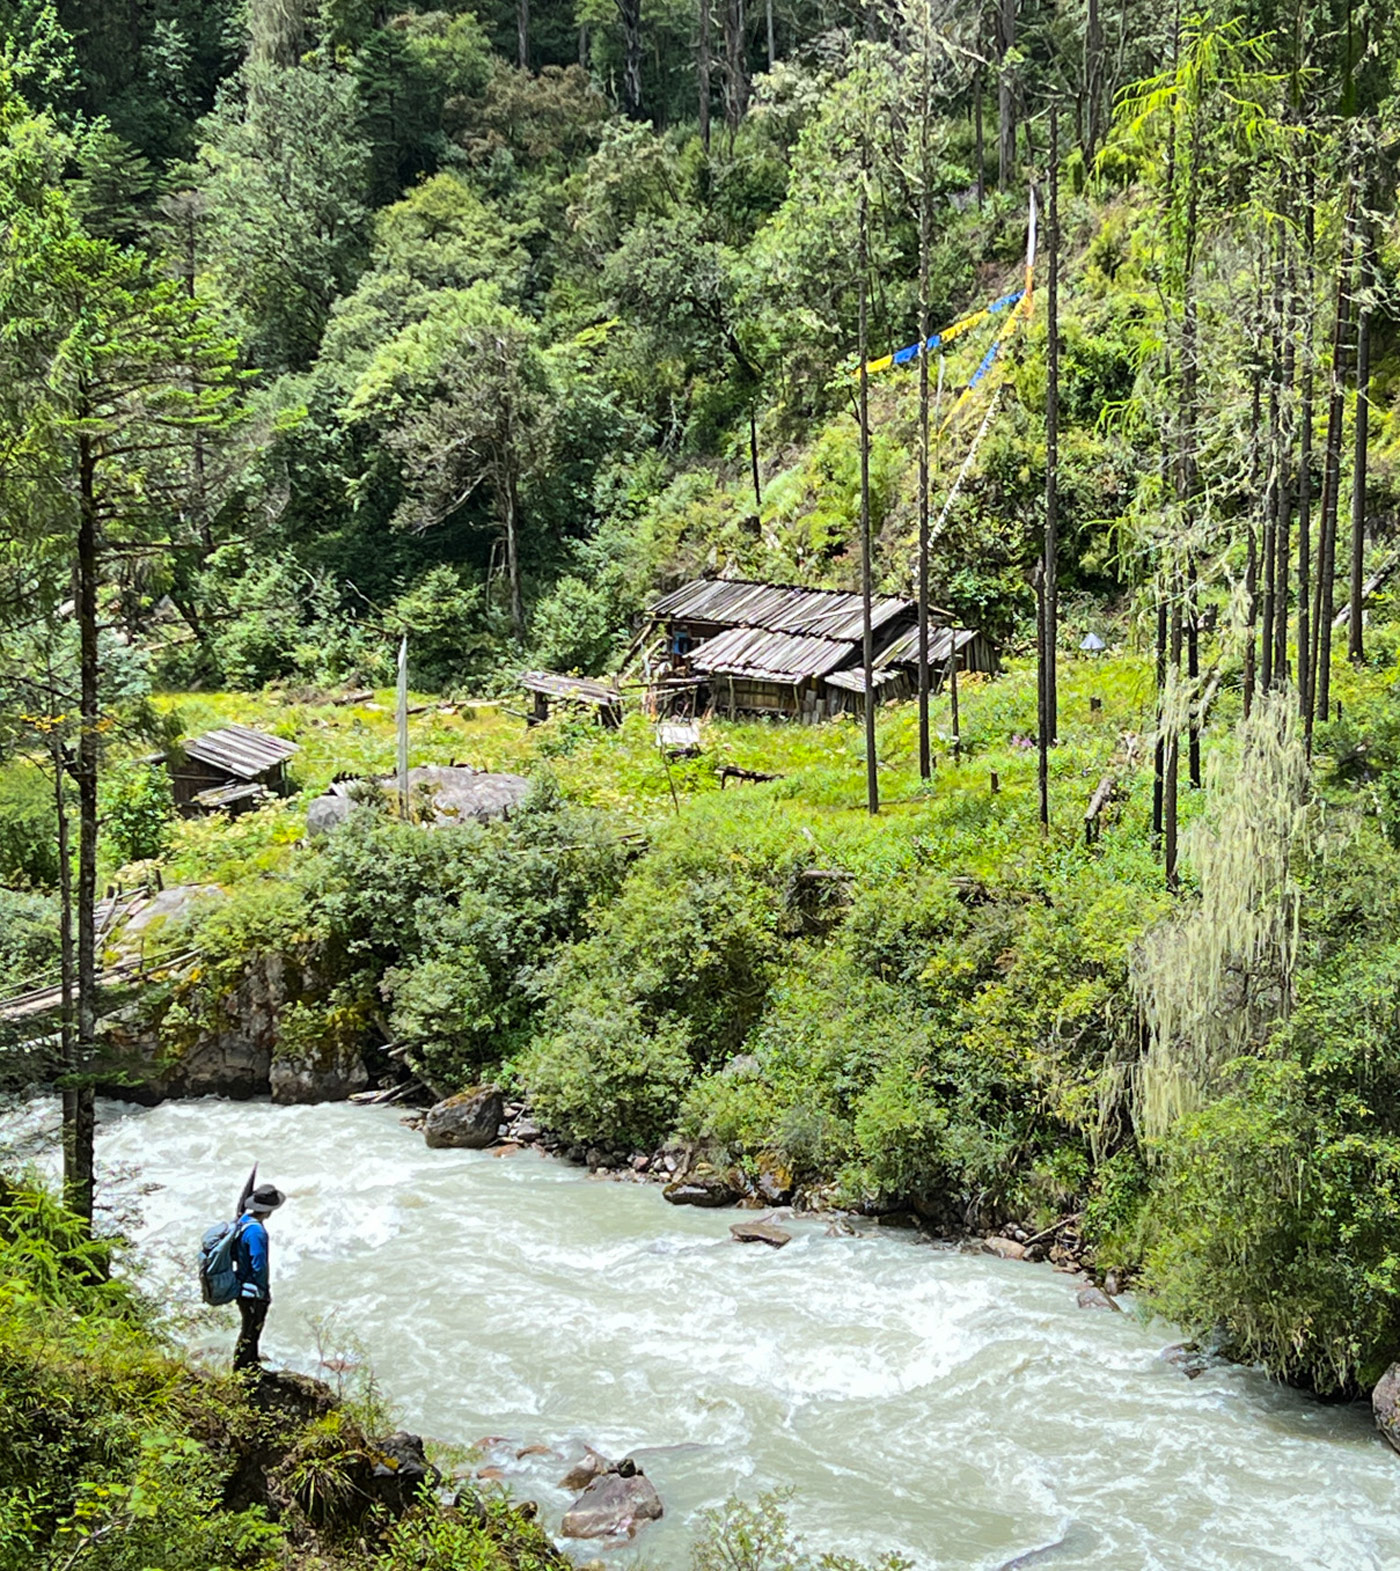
pixel 1173 740
pixel 1331 486
pixel 67 1054
pixel 979 89
pixel 1159 751
pixel 1356 643
pixel 1193 671
pixel 1305 442
pixel 1049 717
pixel 522 33
pixel 1266 634
pixel 1283 497
pixel 702 57
pixel 83 1130
pixel 583 46
pixel 872 782
pixel 925 751
pixel 1251 572
pixel 510 519
pixel 631 14
pixel 736 75
pixel 1093 81
pixel 1006 113
pixel 772 37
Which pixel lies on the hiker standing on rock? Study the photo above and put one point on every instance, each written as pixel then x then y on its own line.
pixel 250 1264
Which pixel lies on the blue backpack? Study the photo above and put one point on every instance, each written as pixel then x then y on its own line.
pixel 218 1280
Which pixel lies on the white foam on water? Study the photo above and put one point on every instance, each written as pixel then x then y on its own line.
pixel 954 1407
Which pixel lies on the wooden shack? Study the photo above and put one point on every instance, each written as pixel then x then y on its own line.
pixel 228 770
pixel 974 652
pixel 578 691
pixel 707 607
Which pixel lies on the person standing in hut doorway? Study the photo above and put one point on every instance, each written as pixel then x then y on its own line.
pixel 251 1267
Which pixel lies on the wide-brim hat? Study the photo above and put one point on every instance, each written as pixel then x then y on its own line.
pixel 266 1197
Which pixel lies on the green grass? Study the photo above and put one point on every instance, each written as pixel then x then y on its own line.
pixel 822 789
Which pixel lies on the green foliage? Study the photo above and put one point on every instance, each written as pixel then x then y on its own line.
pixel 137 808
pixel 28 843
pixel 739 1536
pixel 29 937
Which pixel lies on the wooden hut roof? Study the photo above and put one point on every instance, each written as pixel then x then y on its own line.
pixel 854 679
pixel 759 656
pixel 941 641
pixel 776 608
pixel 239 751
pixel 579 688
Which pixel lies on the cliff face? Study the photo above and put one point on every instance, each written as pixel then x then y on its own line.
pixel 259 1037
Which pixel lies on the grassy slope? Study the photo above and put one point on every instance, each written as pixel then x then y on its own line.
pixel 822 766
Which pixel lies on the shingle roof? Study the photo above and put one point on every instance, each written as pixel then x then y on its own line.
pixel 777 608
pixel 239 750
pixel 581 688
pixel 760 656
pixel 905 649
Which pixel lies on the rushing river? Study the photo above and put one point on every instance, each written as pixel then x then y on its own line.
pixel 956 1408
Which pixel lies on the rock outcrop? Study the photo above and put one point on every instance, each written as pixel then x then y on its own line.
pixel 703 1185
pixel 1385 1404
pixel 399 1471
pixel 613 1505
pixel 327 1074
pixel 439 794
pixel 468 1121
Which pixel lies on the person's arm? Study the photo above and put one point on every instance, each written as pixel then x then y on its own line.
pixel 254 1240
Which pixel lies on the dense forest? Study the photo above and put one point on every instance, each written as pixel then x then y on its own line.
pixel 327 325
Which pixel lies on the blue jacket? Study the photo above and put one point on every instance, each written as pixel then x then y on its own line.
pixel 250 1259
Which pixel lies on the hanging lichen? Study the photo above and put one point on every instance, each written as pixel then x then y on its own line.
pixel 1212 980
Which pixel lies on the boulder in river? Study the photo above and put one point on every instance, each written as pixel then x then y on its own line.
pixel 775 1182
pixel 468 1121
pixel 1004 1248
pixel 703 1185
pixel 1092 1297
pixel 593 1465
pixel 611 1506
pixel 1385 1404
pixel 760 1232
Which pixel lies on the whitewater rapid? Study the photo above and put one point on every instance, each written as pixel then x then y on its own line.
pixel 956 1408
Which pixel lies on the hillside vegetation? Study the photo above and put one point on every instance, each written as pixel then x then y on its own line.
pixel 325 324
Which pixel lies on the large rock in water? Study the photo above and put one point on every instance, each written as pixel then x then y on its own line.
pixel 762 1232
pixel 703 1185
pixel 467 1121
pixel 611 1506
pixel 329 1073
pixel 1385 1404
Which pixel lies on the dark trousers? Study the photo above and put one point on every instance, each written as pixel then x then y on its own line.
pixel 253 1311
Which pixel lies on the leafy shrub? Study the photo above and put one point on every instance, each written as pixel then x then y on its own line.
pixel 29 936
pixel 28 843
pixel 137 809
pixel 604 1075
pixel 739 1536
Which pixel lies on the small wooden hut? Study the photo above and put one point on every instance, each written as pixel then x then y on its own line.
pixel 581 691
pixel 231 769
